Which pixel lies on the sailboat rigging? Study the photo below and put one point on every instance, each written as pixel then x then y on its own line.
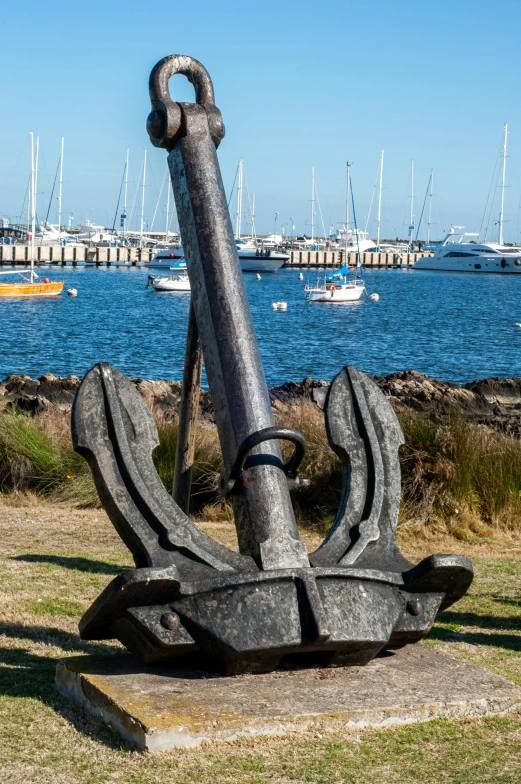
pixel 27 286
pixel 340 287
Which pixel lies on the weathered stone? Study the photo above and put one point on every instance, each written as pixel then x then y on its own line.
pixel 494 402
pixel 156 709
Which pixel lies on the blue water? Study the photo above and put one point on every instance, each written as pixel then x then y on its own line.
pixel 456 327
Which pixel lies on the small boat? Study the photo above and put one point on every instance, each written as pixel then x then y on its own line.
pixel 337 289
pixel 176 282
pixel 27 286
pixel 340 287
pixel 172 283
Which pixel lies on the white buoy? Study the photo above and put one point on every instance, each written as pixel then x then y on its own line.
pixel 300 276
pixel 72 292
pixel 374 297
pixel 279 305
pixel 518 325
pixel 258 276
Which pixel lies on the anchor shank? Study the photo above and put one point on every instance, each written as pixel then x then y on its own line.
pixel 264 516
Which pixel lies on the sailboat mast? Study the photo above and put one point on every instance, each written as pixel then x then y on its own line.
pixel 411 222
pixel 430 207
pixel 501 214
pixel 238 216
pixel 380 199
pixel 36 162
pixel 253 229
pixel 143 199
pixel 347 205
pixel 167 209
pixel 60 189
pixel 125 197
pixel 33 206
pixel 312 203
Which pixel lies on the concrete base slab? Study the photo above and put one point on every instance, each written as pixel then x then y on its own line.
pixel 156 708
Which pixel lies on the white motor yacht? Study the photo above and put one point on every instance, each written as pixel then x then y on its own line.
pixel 255 259
pixel 252 258
pixel 355 240
pixel 47 234
pixel 458 253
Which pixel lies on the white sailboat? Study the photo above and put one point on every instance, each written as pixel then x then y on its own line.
pixel 255 256
pixel 411 221
pixel 334 290
pixel 27 286
pixel 379 219
pixel 339 287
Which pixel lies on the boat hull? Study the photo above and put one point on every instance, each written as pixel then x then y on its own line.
pixel 171 285
pixel 478 265
pixel 165 264
pixel 250 262
pixel 348 294
pixel 31 289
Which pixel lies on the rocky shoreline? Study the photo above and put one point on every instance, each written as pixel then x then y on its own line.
pixel 494 402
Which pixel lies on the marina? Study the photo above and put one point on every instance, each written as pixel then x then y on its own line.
pixel 456 327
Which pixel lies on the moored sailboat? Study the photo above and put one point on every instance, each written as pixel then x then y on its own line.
pixel 339 287
pixel 27 286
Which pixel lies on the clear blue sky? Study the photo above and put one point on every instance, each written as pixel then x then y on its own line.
pixel 298 83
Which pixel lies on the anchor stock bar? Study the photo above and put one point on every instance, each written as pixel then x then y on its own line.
pixel 264 516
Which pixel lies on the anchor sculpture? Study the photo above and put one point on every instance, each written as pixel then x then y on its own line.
pixel 190 599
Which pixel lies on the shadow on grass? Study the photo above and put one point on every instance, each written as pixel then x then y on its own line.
pixel 80 564
pixel 26 675
pixel 504 600
pixel 486 621
pixel 509 642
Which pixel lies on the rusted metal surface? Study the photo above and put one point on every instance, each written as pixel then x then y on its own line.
pixel 191 600
pixel 264 516
pixel 188 411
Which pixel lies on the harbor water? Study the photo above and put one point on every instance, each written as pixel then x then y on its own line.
pixel 454 326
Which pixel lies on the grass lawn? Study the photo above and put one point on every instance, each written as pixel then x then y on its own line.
pixel 54 560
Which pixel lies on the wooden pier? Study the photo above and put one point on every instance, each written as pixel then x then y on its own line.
pixel 336 258
pixel 69 254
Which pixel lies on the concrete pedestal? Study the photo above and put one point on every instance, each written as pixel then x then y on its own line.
pixel 156 709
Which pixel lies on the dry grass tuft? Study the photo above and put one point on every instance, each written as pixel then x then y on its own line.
pixel 459 478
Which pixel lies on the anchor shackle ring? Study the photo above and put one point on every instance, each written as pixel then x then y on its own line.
pixel 228 482
pixel 165 122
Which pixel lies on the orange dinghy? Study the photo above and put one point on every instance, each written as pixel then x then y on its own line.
pixel 27 287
